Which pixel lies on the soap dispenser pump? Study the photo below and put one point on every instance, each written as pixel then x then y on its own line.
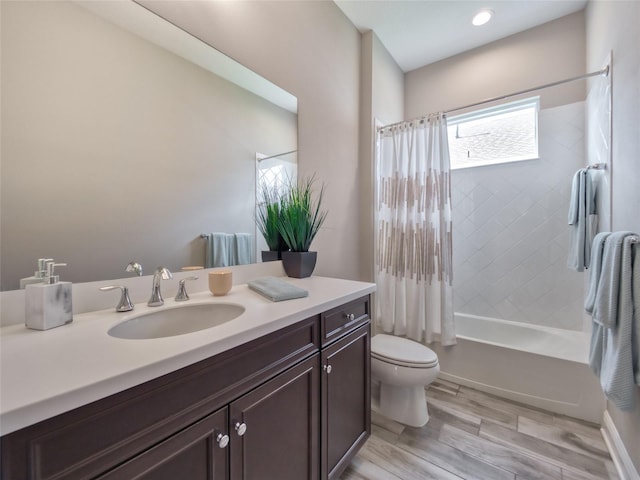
pixel 39 276
pixel 48 304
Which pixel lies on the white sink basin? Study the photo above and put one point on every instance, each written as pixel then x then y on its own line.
pixel 174 321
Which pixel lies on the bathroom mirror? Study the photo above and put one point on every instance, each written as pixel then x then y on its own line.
pixel 124 139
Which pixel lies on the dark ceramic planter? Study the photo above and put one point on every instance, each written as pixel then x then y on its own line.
pixel 299 264
pixel 271 255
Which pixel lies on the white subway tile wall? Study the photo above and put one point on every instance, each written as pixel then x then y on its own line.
pixel 510 230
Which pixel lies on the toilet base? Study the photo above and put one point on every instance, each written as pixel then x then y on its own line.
pixel 407 405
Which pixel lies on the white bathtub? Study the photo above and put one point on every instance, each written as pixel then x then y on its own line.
pixel 539 366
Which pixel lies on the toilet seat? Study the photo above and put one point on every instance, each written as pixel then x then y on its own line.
pixel 402 352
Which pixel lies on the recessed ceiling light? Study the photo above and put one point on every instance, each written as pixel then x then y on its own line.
pixel 482 17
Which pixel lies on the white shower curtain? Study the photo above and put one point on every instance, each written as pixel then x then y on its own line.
pixel 413 228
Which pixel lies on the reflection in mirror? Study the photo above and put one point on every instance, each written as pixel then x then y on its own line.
pixel 274 173
pixel 115 149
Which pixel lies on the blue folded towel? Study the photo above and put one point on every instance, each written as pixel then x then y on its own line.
pixel 276 290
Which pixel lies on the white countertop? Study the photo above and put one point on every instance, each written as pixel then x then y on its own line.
pixel 45 373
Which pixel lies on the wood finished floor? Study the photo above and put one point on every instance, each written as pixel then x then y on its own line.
pixel 477 436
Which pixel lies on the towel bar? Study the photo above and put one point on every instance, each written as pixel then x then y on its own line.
pixel 597 166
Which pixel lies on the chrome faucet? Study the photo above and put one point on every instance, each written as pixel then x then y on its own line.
pixel 162 273
pixel 134 267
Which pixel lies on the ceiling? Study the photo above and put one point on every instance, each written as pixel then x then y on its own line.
pixel 420 32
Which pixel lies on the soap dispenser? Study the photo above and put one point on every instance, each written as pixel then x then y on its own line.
pixel 48 304
pixel 38 277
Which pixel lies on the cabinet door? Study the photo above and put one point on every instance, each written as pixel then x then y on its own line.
pixel 275 428
pixel 346 400
pixel 198 452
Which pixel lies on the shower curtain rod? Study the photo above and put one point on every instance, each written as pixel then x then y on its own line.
pixel 602 72
pixel 276 155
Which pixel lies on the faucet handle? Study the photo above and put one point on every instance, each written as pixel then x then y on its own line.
pixel 125 304
pixel 182 295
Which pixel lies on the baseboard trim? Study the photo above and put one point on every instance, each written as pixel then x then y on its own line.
pixel 619 455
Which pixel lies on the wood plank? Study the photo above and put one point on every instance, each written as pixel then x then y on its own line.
pixel 445 387
pixel 579 426
pixel 478 436
pixel 567 459
pixel 453 410
pixel 570 475
pixel 361 469
pixel 584 444
pixel 473 408
pixel 384 434
pixel 439 416
pixel 524 466
pixel 423 442
pixel 391 425
pixel 506 405
pixel 402 463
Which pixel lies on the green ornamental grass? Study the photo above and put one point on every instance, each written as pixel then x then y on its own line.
pixel 300 215
pixel 268 218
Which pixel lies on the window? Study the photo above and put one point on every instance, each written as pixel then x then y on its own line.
pixel 505 133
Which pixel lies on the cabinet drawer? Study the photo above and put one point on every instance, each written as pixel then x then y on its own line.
pixel 94 438
pixel 341 320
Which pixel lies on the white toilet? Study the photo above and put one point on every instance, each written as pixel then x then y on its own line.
pixel 403 368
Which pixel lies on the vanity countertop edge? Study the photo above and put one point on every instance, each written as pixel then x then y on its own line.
pixel 46 373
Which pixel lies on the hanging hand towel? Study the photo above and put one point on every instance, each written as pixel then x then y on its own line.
pixel 219 250
pixel 620 343
pixel 243 246
pixel 582 219
pixel 595 269
pixel 615 270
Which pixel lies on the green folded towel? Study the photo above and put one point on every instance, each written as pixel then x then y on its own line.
pixel 276 290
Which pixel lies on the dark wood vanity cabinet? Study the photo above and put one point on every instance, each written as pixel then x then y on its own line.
pixel 282 427
pixel 195 453
pixel 292 405
pixel 346 392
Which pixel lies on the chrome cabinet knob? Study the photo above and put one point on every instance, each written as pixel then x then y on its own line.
pixel 240 428
pixel 350 316
pixel 327 368
pixel 222 440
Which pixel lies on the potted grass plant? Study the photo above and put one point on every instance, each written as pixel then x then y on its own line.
pixel 300 220
pixel 267 220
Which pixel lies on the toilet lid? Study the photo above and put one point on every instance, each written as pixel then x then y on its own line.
pixel 402 351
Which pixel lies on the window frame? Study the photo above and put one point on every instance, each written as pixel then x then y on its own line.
pixel 495 110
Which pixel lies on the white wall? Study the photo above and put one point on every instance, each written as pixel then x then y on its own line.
pixel 311 50
pixel 615 26
pixel 114 149
pixel 381 99
pixel 543 54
